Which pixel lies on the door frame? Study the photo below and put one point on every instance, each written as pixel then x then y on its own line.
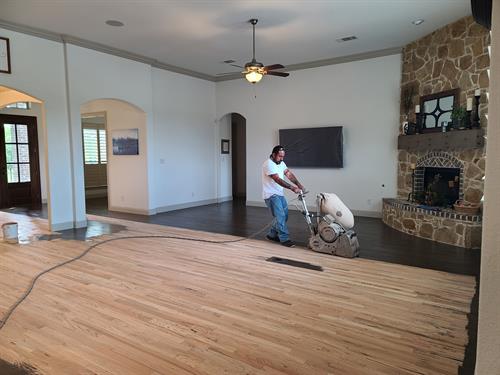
pixel 35 191
pixel 105 115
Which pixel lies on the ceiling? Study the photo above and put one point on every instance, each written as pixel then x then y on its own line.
pixel 200 35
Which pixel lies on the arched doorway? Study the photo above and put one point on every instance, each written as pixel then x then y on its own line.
pixel 115 156
pixel 22 151
pixel 239 161
pixel 232 161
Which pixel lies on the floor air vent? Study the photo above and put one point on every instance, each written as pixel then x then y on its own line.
pixel 295 263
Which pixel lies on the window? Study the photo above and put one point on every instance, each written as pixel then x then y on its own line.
pixel 17 153
pixel 19 105
pixel 94 146
pixel 102 146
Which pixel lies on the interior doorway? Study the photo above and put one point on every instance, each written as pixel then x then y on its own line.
pixel 239 159
pixel 95 159
pixel 19 162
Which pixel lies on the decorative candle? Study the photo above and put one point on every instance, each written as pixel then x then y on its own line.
pixel 412 166
pixel 469 104
pixel 477 92
pixel 417 108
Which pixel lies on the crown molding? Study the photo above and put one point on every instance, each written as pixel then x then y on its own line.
pixel 326 62
pixel 177 69
pixel 68 39
pixel 31 31
pixel 346 59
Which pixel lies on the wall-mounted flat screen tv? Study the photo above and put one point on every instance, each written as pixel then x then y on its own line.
pixel 313 147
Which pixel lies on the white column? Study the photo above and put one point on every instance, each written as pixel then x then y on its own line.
pixel 488 340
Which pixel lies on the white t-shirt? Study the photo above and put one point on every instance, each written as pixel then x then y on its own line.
pixel 269 186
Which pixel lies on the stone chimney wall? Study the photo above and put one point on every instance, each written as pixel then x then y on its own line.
pixel 454 56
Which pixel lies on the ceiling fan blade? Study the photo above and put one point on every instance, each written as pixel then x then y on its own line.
pixel 279 74
pixel 273 67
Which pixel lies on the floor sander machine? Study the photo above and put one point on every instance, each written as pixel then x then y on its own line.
pixel 331 226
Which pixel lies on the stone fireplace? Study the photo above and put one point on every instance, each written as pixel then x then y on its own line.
pixel 454 173
pixel 447 166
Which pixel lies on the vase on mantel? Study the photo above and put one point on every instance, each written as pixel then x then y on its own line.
pixel 404 125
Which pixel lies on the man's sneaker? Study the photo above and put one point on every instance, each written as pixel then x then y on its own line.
pixel 275 239
pixel 288 243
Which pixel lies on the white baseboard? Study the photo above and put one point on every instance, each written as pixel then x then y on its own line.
pixel 81 224
pixel 57 227
pixel 131 210
pixel 225 199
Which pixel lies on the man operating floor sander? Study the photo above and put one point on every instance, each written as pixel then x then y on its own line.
pixel 331 225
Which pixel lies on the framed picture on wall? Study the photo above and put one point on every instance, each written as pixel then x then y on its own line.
pixel 125 141
pixel 4 56
pixel 224 146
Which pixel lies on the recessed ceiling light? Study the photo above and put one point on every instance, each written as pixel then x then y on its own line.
pixel 114 23
pixel 346 38
pixel 418 22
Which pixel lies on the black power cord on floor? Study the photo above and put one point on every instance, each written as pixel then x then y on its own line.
pixel 25 295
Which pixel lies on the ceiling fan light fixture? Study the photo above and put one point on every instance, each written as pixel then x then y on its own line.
pixel 253 76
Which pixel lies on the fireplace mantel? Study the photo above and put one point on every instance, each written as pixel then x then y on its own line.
pixel 452 140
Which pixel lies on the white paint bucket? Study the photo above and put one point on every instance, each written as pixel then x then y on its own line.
pixel 10 232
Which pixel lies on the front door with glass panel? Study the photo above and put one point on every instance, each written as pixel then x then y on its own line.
pixel 19 165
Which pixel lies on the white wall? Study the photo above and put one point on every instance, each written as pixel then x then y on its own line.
pixel 361 96
pixel 127 174
pixel 185 134
pixel 225 190
pixel 94 75
pixel 38 70
pixel 179 168
pixel 35 111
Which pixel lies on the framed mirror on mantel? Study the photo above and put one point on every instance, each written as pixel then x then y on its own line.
pixel 436 109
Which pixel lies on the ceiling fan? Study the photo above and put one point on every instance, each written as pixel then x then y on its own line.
pixel 254 70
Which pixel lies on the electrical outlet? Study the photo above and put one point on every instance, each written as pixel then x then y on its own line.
pixel 162 161
pixel 192 193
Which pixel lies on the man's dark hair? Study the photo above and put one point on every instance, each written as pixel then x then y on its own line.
pixel 277 149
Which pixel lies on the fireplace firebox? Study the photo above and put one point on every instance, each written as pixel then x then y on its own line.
pixel 442 185
pixel 437 186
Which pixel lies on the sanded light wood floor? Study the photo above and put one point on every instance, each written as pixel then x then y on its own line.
pixel 157 306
